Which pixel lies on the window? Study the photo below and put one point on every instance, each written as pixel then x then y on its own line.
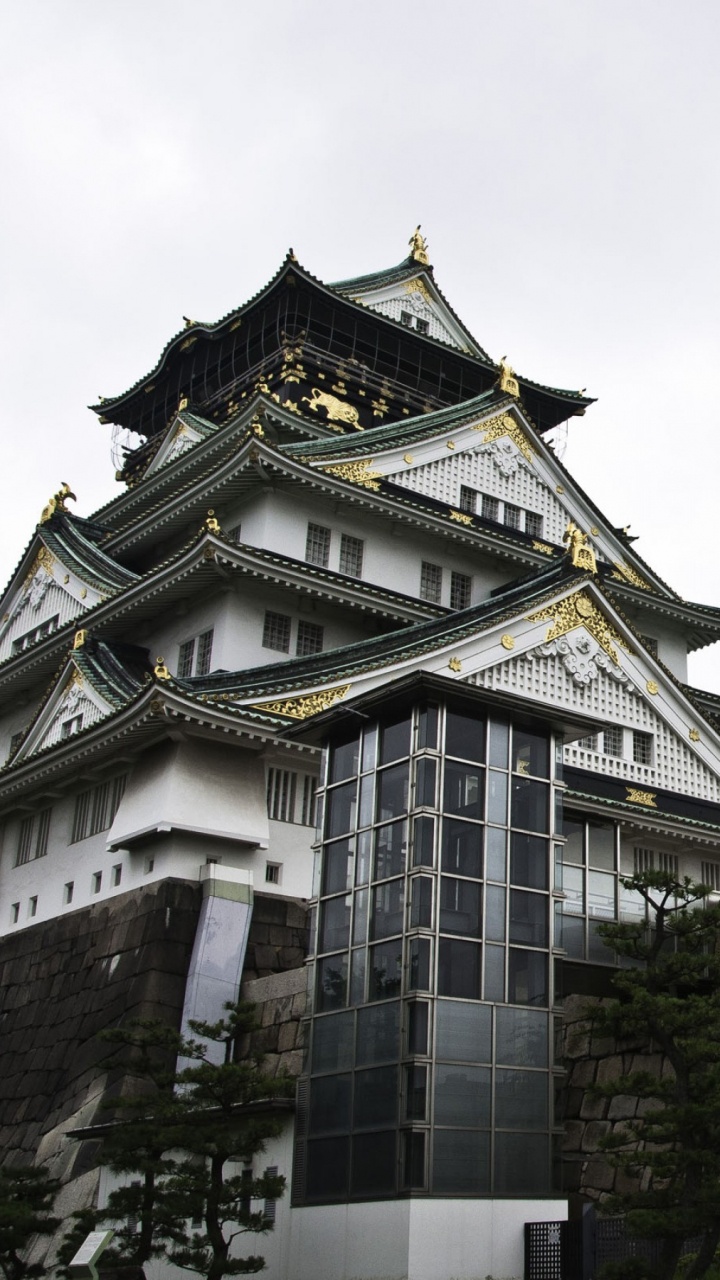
pixel 590 743
pixel 148 866
pixel 414 322
pixel 281 786
pixel 490 508
pixel 307 817
pixel 68 892
pixel 69 728
pixel 195 655
pixel 643 860
pixel 32 906
pixel 15 913
pixel 33 837
pixel 276 631
pixel 710 875
pixel 642 747
pixel 669 864
pixel 96 808
pixel 38 633
pixel 272 872
pixel 468 499
pixel 351 555
pixel 317 545
pixel 460 587
pixel 613 740
pixel 512 516
pixel 270 1205
pixel 97 882
pixel 116 875
pixel 533 524
pixel 406 319
pixel 422 326
pixel 430 582
pixel 309 638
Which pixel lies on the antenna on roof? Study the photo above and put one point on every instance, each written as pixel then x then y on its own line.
pixel 122 441
pixel 558 439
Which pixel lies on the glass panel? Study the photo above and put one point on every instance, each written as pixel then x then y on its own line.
pixel 393 789
pixel 598 950
pixel 573 886
pixel 522 1038
pixel 571 936
pixel 495 973
pixel 530 804
pixel 463 1031
pixel 496 841
pixel 334 931
pixel 527 977
pixel 374 1161
pixel 312 931
pixel 573 849
pixel 376 1098
pixel 388 907
pixel 328 1162
pixel 330 1104
pixel 427 727
pixel 464 736
pixel 419 972
pixel 529 861
pixel 426 773
pixel 601 845
pixel 601 895
pixel 357 976
pixel 344 760
pixel 498 744
pixel 531 753
pixel 414 1160
pixel 332 1042
pixel 462 1095
pixel 418 1024
pixel 521 1164
pixel 367 790
pixel 423 842
pixel 390 850
pixel 461 1162
pixel 331 982
pixel 464 790
pixel 521 1099
pixel 460 907
pixel 360 917
pixel 337 866
pixel 395 741
pixel 495 913
pixel 459 969
pixel 497 797
pixel 341 809
pixel 421 903
pixel 369 750
pixel 378 1034
pixel 415 1092
pixel 385 970
pixel 462 847
pixel 362 864
pixel 528 918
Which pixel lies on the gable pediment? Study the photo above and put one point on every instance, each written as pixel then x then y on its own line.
pixel 180 436
pixel 48 596
pixel 416 304
pixel 72 706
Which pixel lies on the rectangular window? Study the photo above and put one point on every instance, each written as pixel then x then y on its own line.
pixel 33 837
pixel 95 809
pixel 512 516
pixel 68 892
pixel 15 913
pixel 430 582
pixel 32 906
pixel 460 588
pixel 309 638
pixel 490 507
pixel 69 728
pixel 351 555
pixel 272 872
pixel 613 740
pixel 710 875
pixel 317 545
pixel 643 860
pixel 276 631
pixel 406 319
pixel 642 747
pixel 468 499
pixel 194 655
pixel 422 326
pixel 116 875
pixel 669 864
pixel 97 882
pixel 533 524
pixel 281 788
pixel 308 801
pixel 270 1205
pixel 38 633
pixel 590 743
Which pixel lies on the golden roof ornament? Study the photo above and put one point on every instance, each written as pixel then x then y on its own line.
pixel 582 555
pixel 507 381
pixel 79 639
pixel 161 670
pixel 211 524
pixel 57 502
pixel 419 247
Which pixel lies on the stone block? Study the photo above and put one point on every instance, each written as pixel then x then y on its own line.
pixel 593 1108
pixel 287 1036
pixel 623 1107
pixel 572 1138
pixel 595 1131
pixel 292 1062
pixel 266 958
pixel 583 1073
pixel 598 1175
pixel 610 1069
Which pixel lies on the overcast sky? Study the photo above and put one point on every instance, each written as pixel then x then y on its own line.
pixel 159 157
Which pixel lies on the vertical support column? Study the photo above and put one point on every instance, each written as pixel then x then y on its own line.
pixel 219 951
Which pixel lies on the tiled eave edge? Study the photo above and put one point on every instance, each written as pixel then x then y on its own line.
pixel 657 820
pixel 703 619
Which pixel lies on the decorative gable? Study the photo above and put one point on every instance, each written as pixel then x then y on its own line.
pixel 180 437
pixel 48 597
pixel 74 705
pixel 415 304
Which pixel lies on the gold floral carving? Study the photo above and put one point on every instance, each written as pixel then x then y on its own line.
pixel 579 610
pixel 455 664
pixel 505 425
pixel 308 705
pixel 507 642
pixel 407 457
pixel 693 735
pixel 641 797
pixel 652 687
pixel 542 546
pixel 43 560
pixel 451 444
pixel 418 286
pixel 623 572
pixel 356 473
pixel 461 517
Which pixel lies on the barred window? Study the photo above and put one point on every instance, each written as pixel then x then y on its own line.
pixel 195 655
pixel 69 728
pixel 669 863
pixel 460 587
pixel 422 326
pixel 38 633
pixel 490 507
pixel 276 631
pixel 613 740
pixel 272 1170
pixel 309 638
pixel 468 499
pixel 281 786
pixel 642 747
pixel 33 837
pixel 317 545
pixel 406 319
pixel 96 808
pixel 533 524
pixel 710 875
pixel 512 515
pixel 643 860
pixel 590 743
pixel 307 816
pixel 272 872
pixel 430 582
pixel 351 555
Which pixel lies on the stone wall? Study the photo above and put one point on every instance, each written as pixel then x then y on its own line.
pixel 280 1000
pixel 278 938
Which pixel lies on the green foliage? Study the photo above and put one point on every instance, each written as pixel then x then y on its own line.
pixel 177 1139
pixel 669 1002
pixel 26 1198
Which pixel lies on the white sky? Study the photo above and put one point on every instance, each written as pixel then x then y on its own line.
pixel 158 157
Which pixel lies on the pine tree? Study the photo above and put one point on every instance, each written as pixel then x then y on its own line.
pixel 26 1198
